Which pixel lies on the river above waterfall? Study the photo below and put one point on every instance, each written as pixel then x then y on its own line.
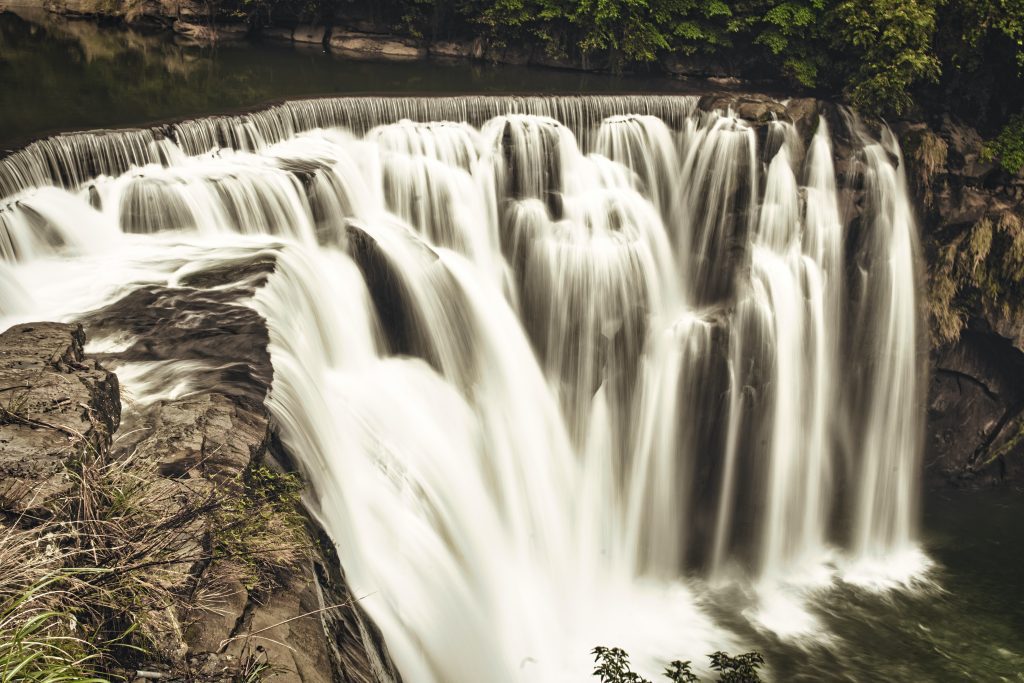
pixel 64 75
pixel 470 297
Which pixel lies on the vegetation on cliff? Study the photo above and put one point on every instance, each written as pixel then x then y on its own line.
pixel 97 586
pixel 981 268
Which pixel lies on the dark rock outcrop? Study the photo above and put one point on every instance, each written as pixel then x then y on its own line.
pixel 972 217
pixel 196 440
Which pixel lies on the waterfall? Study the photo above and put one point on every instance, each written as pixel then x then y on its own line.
pixel 554 367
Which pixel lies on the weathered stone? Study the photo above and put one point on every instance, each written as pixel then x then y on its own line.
pixel 54 405
pixel 451 49
pixel 295 645
pixel 541 57
pixel 207 34
pixel 211 628
pixel 362 45
pixel 757 109
pixel 969 398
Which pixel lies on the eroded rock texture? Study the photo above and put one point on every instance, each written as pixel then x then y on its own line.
pixel 973 237
pixel 55 405
pixel 195 432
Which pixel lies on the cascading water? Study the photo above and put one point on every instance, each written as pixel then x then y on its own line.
pixel 550 364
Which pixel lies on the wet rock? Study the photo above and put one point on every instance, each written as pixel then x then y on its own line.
pixel 224 341
pixel 974 412
pixel 757 109
pixel 974 432
pixel 805 112
pixel 518 55
pixel 541 57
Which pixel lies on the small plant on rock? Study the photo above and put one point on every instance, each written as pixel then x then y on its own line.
pixel 612 666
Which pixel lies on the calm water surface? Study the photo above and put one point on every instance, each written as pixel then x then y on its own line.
pixel 60 75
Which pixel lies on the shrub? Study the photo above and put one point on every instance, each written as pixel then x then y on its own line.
pixel 612 666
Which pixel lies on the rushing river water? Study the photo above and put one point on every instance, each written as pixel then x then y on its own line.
pixel 564 371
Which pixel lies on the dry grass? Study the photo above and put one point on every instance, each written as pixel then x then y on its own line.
pixel 927 153
pixel 127 559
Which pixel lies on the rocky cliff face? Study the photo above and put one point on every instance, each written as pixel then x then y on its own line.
pixel 973 236
pixel 193 459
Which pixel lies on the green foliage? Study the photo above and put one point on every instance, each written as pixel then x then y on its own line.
pixel 612 666
pixel 1008 146
pixel 791 30
pixel 892 39
pixel 638 31
pixel 261 529
pixel 982 22
pixel 740 669
pixel 883 56
pixel 36 642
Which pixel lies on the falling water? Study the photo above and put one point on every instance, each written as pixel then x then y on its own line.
pixel 549 364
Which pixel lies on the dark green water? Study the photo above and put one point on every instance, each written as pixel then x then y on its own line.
pixel 968 624
pixel 61 75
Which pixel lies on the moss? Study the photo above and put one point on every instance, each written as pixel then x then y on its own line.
pixel 1006 448
pixel 926 153
pixel 981 273
pixel 261 531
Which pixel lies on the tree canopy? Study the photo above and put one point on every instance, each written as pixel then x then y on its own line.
pixel 964 57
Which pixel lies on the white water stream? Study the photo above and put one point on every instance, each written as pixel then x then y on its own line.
pixel 556 369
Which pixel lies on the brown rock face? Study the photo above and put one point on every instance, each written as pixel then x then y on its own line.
pixel 205 442
pixel 974 411
pixel 204 459
pixel 972 220
pixel 55 405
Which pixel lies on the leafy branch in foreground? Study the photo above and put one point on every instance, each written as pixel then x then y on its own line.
pixel 612 666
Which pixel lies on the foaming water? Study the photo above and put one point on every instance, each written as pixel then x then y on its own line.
pixel 559 370
pixel 144 383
